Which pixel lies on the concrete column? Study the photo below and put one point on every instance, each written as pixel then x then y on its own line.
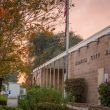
pixel 63 77
pixel 46 69
pixel 42 77
pixel 63 72
pixel 56 78
pixel 42 72
pixel 45 77
pixel 50 76
pixel 54 74
pixel 58 75
pixel 35 78
pixel 69 65
pixel 40 80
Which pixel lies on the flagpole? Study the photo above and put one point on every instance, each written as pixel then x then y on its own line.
pixel 66 41
pixel 67 36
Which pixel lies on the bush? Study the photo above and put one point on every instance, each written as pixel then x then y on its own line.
pixel 44 95
pixel 49 106
pixel 24 103
pixel 3 100
pixel 69 98
pixel 104 92
pixel 77 89
pixel 9 108
pixel 39 95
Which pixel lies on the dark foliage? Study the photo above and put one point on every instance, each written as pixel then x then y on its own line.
pixel 77 88
pixel 1 79
pixel 9 108
pixel 104 92
pixel 45 47
pixel 3 100
pixel 36 97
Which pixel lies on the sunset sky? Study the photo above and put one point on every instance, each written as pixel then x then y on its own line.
pixel 89 16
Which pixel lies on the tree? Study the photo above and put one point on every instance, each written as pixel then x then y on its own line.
pixel 45 47
pixel 18 20
pixel 10 77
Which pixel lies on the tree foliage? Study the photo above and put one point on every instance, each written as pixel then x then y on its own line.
pixel 45 47
pixel 76 88
pixel 42 96
pixel 18 20
pixel 104 92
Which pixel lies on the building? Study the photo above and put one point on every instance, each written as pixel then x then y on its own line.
pixel 13 91
pixel 90 59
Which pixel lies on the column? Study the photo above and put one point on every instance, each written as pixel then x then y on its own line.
pixel 42 72
pixel 54 74
pixel 44 77
pixel 63 73
pixel 50 76
pixel 70 59
pixel 41 76
pixel 58 74
pixel 46 70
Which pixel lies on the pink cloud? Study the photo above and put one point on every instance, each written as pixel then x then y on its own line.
pixel 88 17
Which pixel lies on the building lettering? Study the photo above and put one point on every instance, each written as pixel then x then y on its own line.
pixel 84 60
pixel 95 56
pixel 92 57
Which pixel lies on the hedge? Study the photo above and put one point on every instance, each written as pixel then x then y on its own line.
pixel 3 100
pixel 104 92
pixel 36 96
pixel 77 89
pixel 9 108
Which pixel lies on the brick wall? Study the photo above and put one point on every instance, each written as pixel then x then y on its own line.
pixel 86 62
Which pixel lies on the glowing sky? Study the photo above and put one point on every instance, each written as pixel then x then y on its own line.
pixel 89 16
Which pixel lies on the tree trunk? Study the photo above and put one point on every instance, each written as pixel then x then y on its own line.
pixel 1 79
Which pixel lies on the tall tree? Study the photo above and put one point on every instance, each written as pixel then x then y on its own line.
pixel 45 47
pixel 18 20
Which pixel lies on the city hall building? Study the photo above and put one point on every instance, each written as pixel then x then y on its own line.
pixel 90 59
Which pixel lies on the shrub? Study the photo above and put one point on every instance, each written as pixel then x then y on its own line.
pixel 104 92
pixel 69 98
pixel 44 95
pixel 9 108
pixel 39 95
pixel 24 103
pixel 3 100
pixel 77 88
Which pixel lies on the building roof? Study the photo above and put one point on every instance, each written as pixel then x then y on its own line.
pixel 83 43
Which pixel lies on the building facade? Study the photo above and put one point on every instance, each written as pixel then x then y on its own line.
pixel 90 59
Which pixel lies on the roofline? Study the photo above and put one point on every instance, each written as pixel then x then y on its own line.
pixel 92 38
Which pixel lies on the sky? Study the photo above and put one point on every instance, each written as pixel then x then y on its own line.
pixel 89 17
